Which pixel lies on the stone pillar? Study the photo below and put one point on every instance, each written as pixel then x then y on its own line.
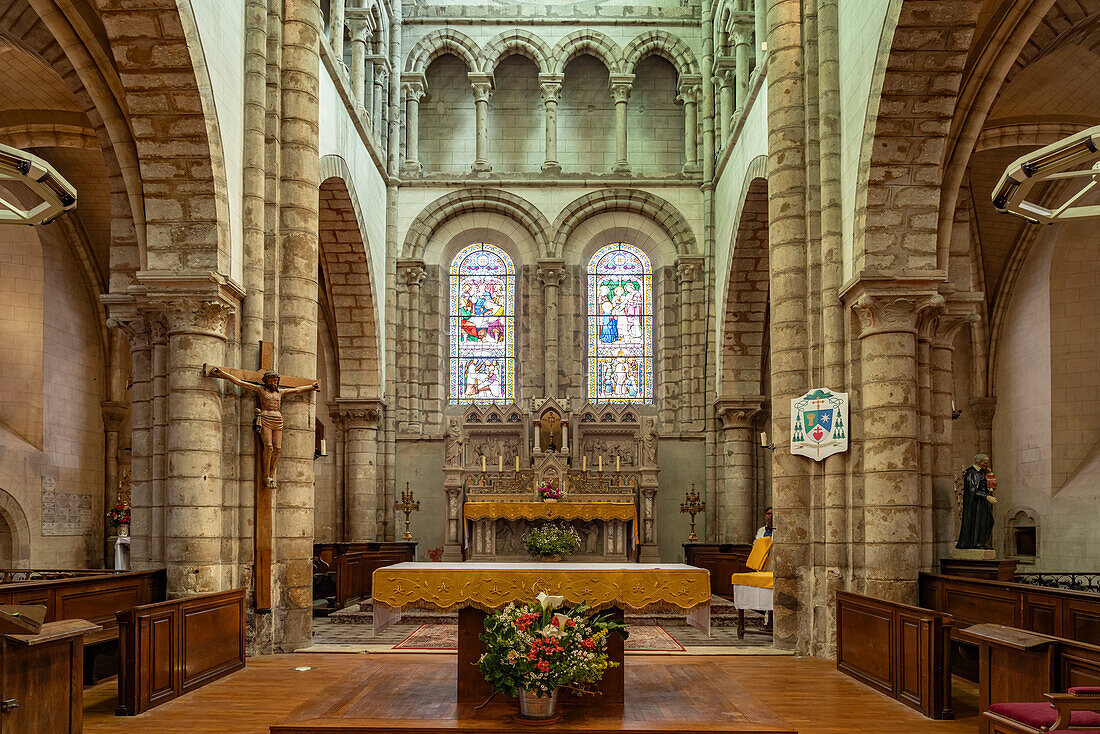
pixel 689 269
pixel 735 507
pixel 926 329
pixel 368 94
pixel 741 63
pixel 361 29
pixel 550 87
pixel 620 93
pixel 413 86
pixel 723 79
pixel 336 28
pixel 113 415
pixel 890 313
pixel 363 495
pixel 159 445
pixel 378 105
pixel 551 273
pixel 689 93
pixel 984 409
pixel 196 330
pixel 410 274
pixel 136 329
pixel 761 13
pixel 483 88
pixel 341 530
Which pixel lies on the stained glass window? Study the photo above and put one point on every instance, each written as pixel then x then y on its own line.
pixel 620 325
pixel 482 313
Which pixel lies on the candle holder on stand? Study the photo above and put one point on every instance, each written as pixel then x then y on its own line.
pixel 408 506
pixel 694 506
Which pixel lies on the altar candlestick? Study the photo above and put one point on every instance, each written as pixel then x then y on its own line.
pixel 500 464
pixel 482 464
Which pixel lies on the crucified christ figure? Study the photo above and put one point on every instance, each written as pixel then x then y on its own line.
pixel 270 413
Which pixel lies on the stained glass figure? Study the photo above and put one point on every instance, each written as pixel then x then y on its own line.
pixel 482 315
pixel 620 325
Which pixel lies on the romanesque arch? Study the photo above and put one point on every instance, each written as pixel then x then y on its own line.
pixel 439 42
pixel 465 201
pixel 12 514
pixel 590 42
pixel 625 200
pixel 520 42
pixel 663 44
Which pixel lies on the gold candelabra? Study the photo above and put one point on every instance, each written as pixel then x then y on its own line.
pixel 408 506
pixel 693 506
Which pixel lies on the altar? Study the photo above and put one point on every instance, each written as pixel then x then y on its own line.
pixel 602 460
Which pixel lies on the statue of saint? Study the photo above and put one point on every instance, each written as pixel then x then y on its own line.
pixel 452 444
pixel 649 442
pixel 270 413
pixel 977 505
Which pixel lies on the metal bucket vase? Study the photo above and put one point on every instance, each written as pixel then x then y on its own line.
pixel 535 706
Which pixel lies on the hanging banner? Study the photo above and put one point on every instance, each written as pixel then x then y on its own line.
pixel 819 424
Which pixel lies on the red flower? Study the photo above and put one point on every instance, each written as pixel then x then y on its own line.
pixel 588 644
pixel 543 666
pixel 570 623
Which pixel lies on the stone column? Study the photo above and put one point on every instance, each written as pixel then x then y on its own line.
pixel 621 85
pixel 336 28
pixel 483 88
pixel 761 12
pixel 889 313
pixel 741 61
pixel 723 79
pixel 550 87
pixel 196 330
pixel 363 495
pixel 413 86
pixel 368 94
pixel 984 409
pixel 410 274
pixel 551 273
pixel 735 507
pixel 378 105
pixel 159 445
pixel 136 329
pixel 341 529
pixel 360 28
pixel 689 93
pixel 114 414
pixel 689 268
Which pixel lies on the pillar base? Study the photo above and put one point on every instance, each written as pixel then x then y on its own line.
pixel 551 167
pixel 481 167
pixel 692 168
pixel 414 167
pixel 648 553
pixel 623 168
pixel 452 552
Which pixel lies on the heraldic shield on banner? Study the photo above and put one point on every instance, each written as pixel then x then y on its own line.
pixel 819 424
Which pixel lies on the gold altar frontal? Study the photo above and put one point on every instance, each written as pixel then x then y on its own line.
pixel 541 510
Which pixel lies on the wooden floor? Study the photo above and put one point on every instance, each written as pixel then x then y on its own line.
pixel 809 695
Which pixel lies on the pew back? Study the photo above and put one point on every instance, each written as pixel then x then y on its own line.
pixel 354 572
pixel 172 648
pixel 722 560
pixel 900 650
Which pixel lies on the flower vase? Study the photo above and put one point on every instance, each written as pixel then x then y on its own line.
pixel 548 499
pixel 549 559
pixel 538 707
pixel 123 530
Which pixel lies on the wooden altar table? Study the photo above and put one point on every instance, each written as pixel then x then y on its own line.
pixel 475 589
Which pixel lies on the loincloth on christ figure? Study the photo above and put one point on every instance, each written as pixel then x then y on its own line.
pixel 271 421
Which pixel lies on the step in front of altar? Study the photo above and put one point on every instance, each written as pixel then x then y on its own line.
pixel 722 614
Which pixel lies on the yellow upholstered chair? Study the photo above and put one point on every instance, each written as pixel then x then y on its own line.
pixel 754 590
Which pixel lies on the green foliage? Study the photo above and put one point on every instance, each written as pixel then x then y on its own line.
pixel 551 539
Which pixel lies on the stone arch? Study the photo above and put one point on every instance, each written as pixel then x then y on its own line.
pixel 11 512
pixel 587 41
pixel 625 200
pixel 744 318
pixel 439 42
pixel 520 42
pixel 663 44
pixel 456 203
pixel 349 275
pixel 914 93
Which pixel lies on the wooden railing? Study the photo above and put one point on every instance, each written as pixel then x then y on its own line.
pixel 902 651
pixel 1070 580
pixel 10 575
pixel 722 560
pixel 172 648
pixel 1074 615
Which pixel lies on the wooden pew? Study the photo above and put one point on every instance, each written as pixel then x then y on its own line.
pixel 328 552
pixel 173 647
pixel 1074 615
pixel 354 571
pixel 722 560
pixel 1018 665
pixel 897 649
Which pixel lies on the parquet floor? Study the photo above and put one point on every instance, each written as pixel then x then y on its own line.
pixel 810 695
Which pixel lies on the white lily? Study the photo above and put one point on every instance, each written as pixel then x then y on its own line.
pixel 552 631
pixel 549 602
pixel 560 620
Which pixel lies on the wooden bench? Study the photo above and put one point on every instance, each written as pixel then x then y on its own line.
pixel 1019 665
pixel 345 582
pixel 900 650
pixel 354 571
pixel 722 560
pixel 328 552
pixel 173 647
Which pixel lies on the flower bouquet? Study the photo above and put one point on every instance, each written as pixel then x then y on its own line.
pixel 552 540
pixel 549 493
pixel 119 516
pixel 533 650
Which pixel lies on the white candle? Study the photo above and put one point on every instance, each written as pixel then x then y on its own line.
pixel 564 436
pixel 517 465
pixel 324 448
pixel 617 463
pixel 584 464
pixel 482 464
pixel 764 439
pixel 601 464
pixel 500 463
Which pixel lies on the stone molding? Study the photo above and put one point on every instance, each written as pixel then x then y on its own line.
pixel 351 413
pixel 625 200
pixel 466 201
pixel 739 412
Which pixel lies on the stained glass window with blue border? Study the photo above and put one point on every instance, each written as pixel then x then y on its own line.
pixel 620 325
pixel 482 326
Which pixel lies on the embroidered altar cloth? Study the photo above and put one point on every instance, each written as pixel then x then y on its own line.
pixel 625 511
pixel 635 587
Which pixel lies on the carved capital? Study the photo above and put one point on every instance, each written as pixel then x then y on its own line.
pixel 196 316
pixel 888 304
pixel 482 85
pixel 136 328
pixel 984 409
pixel 360 28
pixel 690 89
pixel 414 86
pixel 550 86
pixel 551 272
pixel 411 272
pixel 620 86
pixel 739 412
pixel 350 413
pixel 113 415
pixel 689 267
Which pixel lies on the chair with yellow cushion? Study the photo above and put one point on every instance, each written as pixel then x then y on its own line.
pixel 754 590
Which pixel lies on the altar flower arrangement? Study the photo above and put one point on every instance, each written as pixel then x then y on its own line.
pixel 534 649
pixel 119 514
pixel 549 492
pixel 551 539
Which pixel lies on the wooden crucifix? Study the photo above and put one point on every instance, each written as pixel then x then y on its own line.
pixel 270 389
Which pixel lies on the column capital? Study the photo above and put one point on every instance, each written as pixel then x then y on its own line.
pixel 739 412
pixel 550 87
pixel 482 84
pixel 411 271
pixel 196 316
pixel 690 88
pixel 551 272
pixel 724 68
pixel 887 304
pixel 984 409
pixel 620 86
pixel 414 86
pixel 357 413
pixel 113 414
pixel 359 27
pixel 688 267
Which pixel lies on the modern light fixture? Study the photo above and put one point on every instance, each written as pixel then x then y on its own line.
pixel 1074 157
pixel 57 194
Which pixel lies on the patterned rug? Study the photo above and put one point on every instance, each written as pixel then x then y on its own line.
pixel 644 638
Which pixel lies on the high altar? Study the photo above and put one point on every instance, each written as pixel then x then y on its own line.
pixel 604 457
